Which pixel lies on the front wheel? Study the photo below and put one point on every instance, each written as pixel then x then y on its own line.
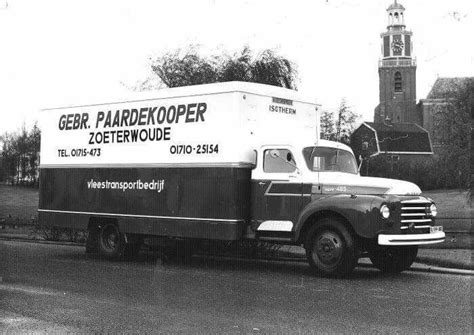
pixel 393 259
pixel 330 248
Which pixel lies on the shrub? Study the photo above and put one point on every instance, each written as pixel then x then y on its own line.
pixel 428 173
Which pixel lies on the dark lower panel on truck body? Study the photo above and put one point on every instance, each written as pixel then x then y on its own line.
pixel 199 202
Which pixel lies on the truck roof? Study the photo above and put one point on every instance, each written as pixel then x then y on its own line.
pixel 187 91
pixel 333 144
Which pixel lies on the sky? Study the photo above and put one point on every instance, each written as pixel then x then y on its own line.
pixel 55 52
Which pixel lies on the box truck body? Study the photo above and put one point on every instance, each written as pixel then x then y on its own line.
pixel 227 161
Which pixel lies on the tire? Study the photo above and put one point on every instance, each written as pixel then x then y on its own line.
pixel 330 248
pixel 393 259
pixel 111 242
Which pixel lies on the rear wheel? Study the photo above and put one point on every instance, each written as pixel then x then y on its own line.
pixel 330 248
pixel 393 259
pixel 111 241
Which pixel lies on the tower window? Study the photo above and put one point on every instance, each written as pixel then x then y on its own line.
pixel 398 82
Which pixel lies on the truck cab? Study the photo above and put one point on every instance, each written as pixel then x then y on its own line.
pixel 313 195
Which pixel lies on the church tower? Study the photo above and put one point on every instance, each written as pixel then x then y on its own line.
pixel 397 71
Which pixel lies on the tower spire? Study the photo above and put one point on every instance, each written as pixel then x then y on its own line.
pixel 396 19
pixel 397 70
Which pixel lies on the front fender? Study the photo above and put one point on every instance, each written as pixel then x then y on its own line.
pixel 360 211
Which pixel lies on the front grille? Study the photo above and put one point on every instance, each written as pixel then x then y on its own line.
pixel 415 217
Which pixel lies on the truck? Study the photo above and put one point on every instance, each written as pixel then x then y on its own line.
pixel 229 162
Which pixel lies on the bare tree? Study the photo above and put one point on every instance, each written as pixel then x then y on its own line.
pixel 178 69
pixel 328 126
pixel 271 69
pixel 345 122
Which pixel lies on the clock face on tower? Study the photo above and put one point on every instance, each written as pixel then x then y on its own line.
pixel 397 47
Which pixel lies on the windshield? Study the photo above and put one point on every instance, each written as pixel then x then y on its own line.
pixel 330 159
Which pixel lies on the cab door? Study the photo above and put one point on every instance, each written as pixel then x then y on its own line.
pixel 276 192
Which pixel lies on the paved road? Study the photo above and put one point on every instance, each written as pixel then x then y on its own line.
pixel 60 289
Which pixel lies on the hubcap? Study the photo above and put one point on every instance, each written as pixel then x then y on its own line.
pixel 328 248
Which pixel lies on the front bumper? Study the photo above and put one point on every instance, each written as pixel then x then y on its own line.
pixel 411 239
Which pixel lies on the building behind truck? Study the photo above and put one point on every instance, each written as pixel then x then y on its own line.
pixel 231 161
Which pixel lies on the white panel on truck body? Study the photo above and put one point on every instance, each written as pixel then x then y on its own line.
pixel 215 123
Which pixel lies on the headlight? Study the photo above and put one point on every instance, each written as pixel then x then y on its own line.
pixel 385 211
pixel 433 210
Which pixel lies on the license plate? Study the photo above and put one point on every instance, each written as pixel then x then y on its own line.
pixel 436 229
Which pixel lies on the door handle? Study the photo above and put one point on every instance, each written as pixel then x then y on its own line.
pixel 261 183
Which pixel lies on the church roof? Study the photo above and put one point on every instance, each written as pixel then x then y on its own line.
pixel 444 88
pixel 404 127
pixel 401 138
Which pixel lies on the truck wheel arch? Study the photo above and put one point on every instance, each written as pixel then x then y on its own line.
pixel 95 222
pixel 317 216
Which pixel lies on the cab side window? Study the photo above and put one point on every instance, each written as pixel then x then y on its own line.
pixel 278 161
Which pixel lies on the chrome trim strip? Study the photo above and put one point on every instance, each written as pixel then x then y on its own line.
pixel 416 227
pixel 414 214
pixel 149 165
pixel 413 208
pixel 276 225
pixel 139 216
pixel 267 191
pixel 411 239
pixel 416 201
pixel 417 220
pixel 287 195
